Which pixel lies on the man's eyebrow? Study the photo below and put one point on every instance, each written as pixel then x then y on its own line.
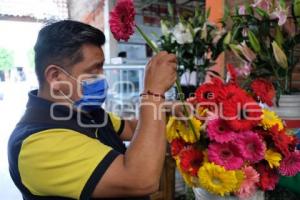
pixel 96 64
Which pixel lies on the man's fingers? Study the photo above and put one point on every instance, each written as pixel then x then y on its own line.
pixel 171 58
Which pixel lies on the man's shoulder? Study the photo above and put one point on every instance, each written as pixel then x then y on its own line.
pixel 22 131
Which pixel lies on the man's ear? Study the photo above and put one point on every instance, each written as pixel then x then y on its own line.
pixel 53 77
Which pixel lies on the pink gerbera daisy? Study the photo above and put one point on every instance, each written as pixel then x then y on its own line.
pixel 251 145
pixel 290 165
pixel 218 131
pixel 248 186
pixel 227 155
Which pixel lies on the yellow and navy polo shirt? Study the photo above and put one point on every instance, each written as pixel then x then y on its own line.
pixel 56 153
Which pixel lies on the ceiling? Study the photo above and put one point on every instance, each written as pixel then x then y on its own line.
pixel 159 7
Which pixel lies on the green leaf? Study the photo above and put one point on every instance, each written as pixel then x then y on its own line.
pixel 236 31
pixel 296 10
pixel 249 9
pixel 254 41
pixel 236 10
pixel 170 10
pixel 282 4
pixel 278 36
pixel 147 40
pixel 155 35
pixel 261 12
pixel 207 13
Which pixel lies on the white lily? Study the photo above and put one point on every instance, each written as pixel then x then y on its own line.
pixel 182 34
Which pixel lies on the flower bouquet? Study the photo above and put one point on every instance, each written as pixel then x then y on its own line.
pixel 239 147
pixel 244 147
pixel 196 41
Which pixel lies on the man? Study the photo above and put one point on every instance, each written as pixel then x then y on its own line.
pixel 66 146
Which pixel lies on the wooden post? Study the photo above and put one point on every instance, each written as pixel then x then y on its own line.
pixel 167 182
pixel 216 13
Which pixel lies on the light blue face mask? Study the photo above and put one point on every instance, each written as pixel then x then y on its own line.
pixel 94 92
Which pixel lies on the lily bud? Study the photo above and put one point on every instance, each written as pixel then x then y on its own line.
pixel 204 32
pixel 227 38
pixel 280 56
pixel 164 28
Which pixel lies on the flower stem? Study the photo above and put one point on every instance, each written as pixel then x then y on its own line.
pixel 179 89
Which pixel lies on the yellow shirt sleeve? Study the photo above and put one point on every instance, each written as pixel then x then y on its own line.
pixel 63 162
pixel 117 123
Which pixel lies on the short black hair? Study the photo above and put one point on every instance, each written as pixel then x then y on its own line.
pixel 59 43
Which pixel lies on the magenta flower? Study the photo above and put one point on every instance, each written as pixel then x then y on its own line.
pixel 122 20
pixel 227 155
pixel 290 165
pixel 251 146
pixel 219 132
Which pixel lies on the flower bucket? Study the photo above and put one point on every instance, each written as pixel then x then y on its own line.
pixel 202 194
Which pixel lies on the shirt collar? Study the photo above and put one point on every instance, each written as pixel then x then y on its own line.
pixel 45 105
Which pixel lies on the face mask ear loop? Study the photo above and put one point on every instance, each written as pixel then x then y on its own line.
pixel 68 98
pixel 72 77
pixel 69 75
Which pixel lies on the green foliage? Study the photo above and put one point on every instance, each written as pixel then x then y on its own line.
pixel 30 56
pixel 6 59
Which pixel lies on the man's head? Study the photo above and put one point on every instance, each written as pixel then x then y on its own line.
pixel 65 50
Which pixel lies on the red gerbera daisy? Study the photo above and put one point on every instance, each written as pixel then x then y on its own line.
pixel 240 111
pixel 283 142
pixel 122 20
pixel 230 90
pixel 176 146
pixel 190 160
pixel 268 177
pixel 209 93
pixel 263 90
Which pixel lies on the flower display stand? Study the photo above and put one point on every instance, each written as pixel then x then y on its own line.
pixel 201 194
pixel 289 110
pixel 167 181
